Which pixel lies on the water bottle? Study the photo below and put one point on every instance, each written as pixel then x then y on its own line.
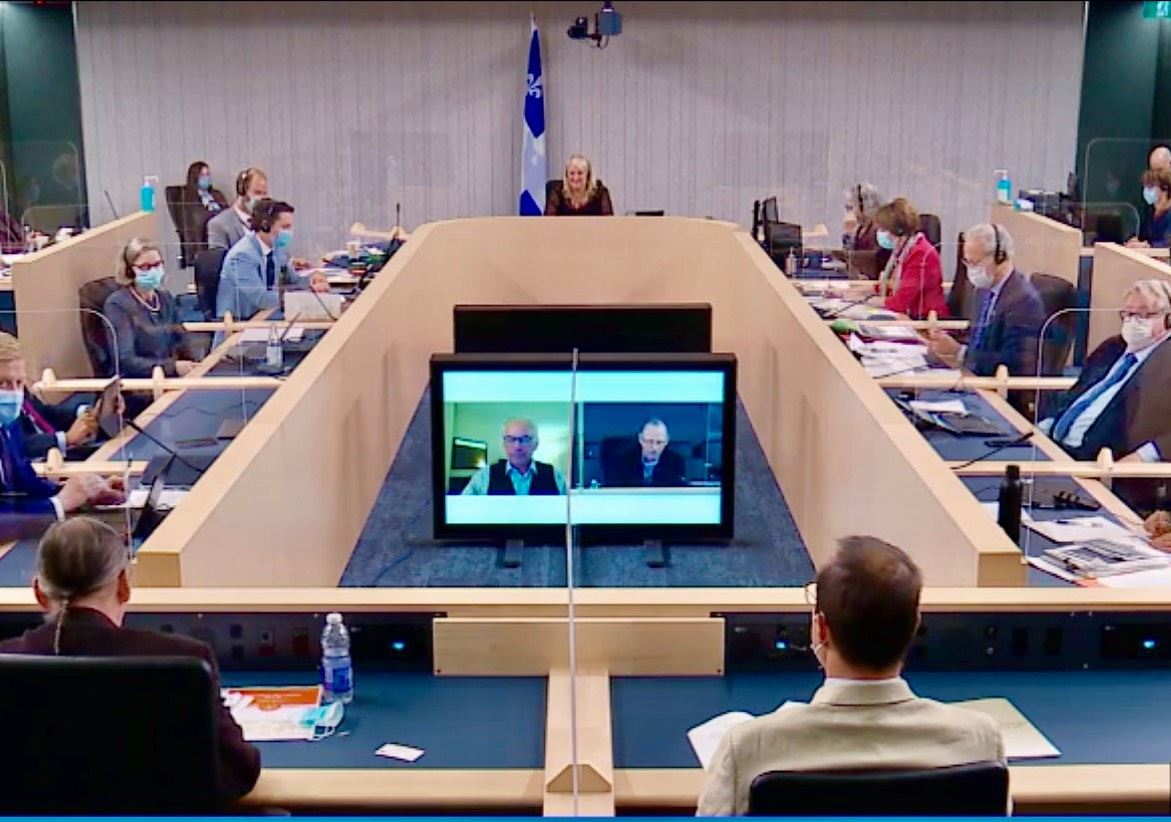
pixel 146 194
pixel 1003 187
pixel 1008 513
pixel 274 352
pixel 791 264
pixel 337 669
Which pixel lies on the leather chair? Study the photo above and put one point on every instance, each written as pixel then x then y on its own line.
pixel 207 279
pixel 781 238
pixel 94 331
pixel 978 789
pixel 960 300
pixel 90 730
pixel 932 229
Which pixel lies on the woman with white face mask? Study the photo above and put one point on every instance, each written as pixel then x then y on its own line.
pixel 147 330
pixel 912 281
pixel 1155 228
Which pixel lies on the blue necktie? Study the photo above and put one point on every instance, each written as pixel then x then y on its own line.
pixel 7 465
pixel 982 323
pixel 269 270
pixel 1066 421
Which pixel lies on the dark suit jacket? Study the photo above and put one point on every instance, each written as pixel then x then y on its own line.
pixel 1139 413
pixel 25 506
pixel 87 632
pixel 60 417
pixel 626 472
pixel 1013 334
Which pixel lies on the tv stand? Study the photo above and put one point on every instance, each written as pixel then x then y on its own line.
pixel 513 548
pixel 655 553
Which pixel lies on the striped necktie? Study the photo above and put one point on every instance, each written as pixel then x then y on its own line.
pixel 1116 375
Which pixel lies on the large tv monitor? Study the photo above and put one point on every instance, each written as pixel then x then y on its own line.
pixel 630 447
pixel 601 329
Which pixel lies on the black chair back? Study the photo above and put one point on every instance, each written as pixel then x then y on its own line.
pixel 174 197
pixel 978 789
pixel 932 229
pixel 768 210
pixel 1061 299
pixel 207 279
pixel 95 333
pixel 960 300
pixel 780 239
pixel 112 736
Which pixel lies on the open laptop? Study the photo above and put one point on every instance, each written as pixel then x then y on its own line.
pixel 149 516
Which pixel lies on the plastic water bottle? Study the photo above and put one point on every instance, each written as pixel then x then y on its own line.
pixel 337 669
pixel 1003 187
pixel 791 264
pixel 274 352
pixel 146 194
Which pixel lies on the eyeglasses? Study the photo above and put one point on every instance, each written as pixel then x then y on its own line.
pixel 810 591
pixel 523 440
pixel 1139 315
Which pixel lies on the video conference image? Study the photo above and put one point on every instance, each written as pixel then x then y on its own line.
pixel 630 461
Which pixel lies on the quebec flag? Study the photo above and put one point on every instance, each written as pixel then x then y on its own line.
pixel 534 164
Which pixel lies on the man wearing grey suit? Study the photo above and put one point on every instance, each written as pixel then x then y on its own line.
pixel 864 716
pixel 229 226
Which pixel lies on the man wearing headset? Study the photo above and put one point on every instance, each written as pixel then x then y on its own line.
pixel 229 226
pixel 1122 400
pixel 252 270
pixel 1007 329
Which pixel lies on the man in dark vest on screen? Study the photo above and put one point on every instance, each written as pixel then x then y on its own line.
pixel 519 474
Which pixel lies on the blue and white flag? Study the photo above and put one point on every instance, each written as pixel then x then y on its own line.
pixel 534 172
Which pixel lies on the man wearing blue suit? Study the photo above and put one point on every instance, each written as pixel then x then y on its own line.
pixel 1007 330
pixel 28 503
pixel 259 263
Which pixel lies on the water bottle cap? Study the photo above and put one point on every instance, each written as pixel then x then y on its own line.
pixel 333 619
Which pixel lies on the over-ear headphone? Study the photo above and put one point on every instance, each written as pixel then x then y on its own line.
pixel 243 179
pixel 998 255
pixel 262 216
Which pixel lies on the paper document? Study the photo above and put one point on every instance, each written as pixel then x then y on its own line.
pixel 270 714
pixel 879 367
pixel 1080 529
pixel 887 332
pixel 403 752
pixel 1098 558
pixel 1022 740
pixel 940 406
pixel 309 305
pixel 260 335
pixel 168 499
pixel 706 738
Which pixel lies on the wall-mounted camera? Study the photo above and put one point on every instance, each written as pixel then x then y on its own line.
pixel 607 23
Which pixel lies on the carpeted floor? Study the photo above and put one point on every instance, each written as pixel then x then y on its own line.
pixel 396 549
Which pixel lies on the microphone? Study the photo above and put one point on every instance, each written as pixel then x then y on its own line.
pixel 398 215
pixel 106 191
pixel 1023 438
pixel 174 454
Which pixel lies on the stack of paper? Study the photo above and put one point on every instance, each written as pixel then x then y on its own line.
pixel 270 714
pixel 706 738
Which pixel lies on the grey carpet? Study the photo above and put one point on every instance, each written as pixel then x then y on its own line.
pixel 396 550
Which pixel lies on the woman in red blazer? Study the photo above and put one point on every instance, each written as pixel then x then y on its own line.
pixel 912 282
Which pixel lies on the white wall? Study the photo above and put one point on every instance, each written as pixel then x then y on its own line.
pixel 698 108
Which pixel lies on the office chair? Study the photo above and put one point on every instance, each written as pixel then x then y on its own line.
pixel 961 297
pixel 768 210
pixel 174 198
pixel 978 789
pixel 781 238
pixel 207 279
pixel 930 226
pixel 89 731
pixel 95 334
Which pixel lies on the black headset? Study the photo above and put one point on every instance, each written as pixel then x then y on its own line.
pixel 243 178
pixel 262 215
pixel 998 255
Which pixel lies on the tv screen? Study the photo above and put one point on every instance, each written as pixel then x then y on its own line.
pixel 601 329
pixel 630 447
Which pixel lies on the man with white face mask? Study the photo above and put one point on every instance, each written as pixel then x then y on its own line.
pixel 865 715
pixel 1009 311
pixel 1122 400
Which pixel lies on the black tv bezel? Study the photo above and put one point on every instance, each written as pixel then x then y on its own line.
pixel 535 343
pixel 555 534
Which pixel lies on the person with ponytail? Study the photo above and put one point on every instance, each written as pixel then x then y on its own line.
pixel 82 583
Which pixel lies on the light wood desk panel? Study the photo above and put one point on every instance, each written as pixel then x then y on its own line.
pixel 1117 268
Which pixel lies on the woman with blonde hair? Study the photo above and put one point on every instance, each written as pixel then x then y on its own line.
pixel 580 193
pixel 145 316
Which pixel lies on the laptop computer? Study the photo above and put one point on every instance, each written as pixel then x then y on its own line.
pixel 149 516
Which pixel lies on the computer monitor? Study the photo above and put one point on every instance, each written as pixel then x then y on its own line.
pixel 647 451
pixel 601 329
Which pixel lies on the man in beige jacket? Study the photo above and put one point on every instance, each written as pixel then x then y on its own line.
pixel 865 715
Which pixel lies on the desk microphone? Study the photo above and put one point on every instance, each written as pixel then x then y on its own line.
pixel 1023 438
pixel 174 454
